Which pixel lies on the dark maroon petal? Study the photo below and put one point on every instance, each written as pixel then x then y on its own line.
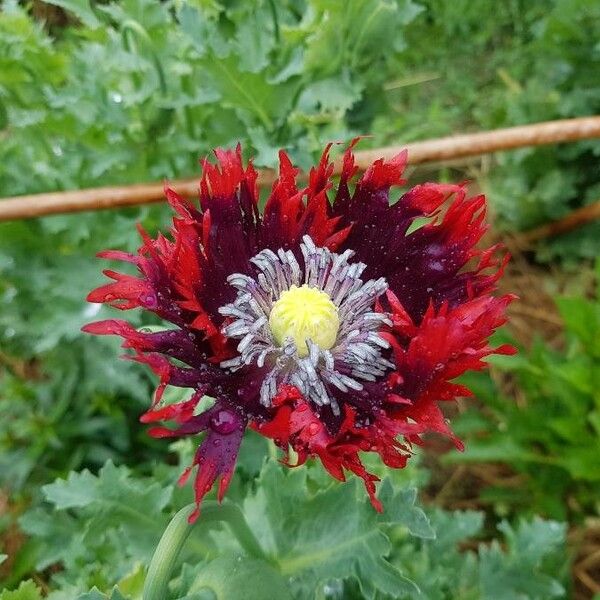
pixel 216 458
pixel 228 197
pixel 366 403
pixel 172 375
pixel 283 209
pixel 181 412
pixel 176 344
pixel 425 264
pixel 244 386
pixel 217 454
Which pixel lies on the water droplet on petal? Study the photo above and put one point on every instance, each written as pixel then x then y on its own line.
pixel 313 429
pixel 148 299
pixel 224 422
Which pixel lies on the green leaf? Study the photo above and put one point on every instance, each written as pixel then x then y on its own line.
pixel 533 540
pixel 96 594
pixel 79 489
pixel 133 583
pixel 501 583
pixel 518 573
pixel 248 93
pixel 454 527
pixel 329 535
pixel 3 116
pixel 26 591
pixel 118 520
pixel 582 319
pixel 194 25
pixel 240 578
pixel 267 154
pixel 93 594
pixel 81 9
pixel 350 33
pixel 254 41
pixel 112 488
pixel 332 94
pixel 400 509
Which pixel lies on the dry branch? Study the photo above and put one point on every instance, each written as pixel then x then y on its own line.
pixel 567 130
pixel 573 220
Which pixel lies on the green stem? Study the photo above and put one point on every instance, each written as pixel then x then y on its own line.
pixel 175 535
pixel 275 21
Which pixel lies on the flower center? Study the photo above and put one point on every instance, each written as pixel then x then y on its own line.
pixel 305 313
pixel 315 327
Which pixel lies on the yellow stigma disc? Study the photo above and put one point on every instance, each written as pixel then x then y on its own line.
pixel 304 313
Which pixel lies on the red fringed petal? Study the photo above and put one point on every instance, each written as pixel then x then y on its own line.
pixel 297 425
pixel 291 213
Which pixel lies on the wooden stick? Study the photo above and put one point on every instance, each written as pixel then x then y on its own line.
pixel 473 144
pixel 575 219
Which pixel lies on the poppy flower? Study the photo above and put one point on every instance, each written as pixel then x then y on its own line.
pixel 333 322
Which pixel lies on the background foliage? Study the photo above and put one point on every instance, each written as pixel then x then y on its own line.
pixel 559 389
pixel 95 93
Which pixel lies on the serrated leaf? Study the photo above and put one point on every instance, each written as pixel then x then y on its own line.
pixel 329 535
pixel 454 527
pixel 26 591
pixel 332 94
pixel 366 22
pixel 3 116
pixel 400 509
pixel 248 93
pixel 267 154
pixel 294 66
pixel 506 582
pixel 194 25
pixel 78 490
pixel 518 573
pixel 133 583
pixel 533 540
pixel 118 520
pixel 93 594
pixel 254 41
pixel 112 486
pixel 96 594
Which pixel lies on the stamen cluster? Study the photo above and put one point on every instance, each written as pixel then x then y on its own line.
pixel 357 352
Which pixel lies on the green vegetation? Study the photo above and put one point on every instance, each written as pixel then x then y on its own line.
pixel 552 435
pixel 103 529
